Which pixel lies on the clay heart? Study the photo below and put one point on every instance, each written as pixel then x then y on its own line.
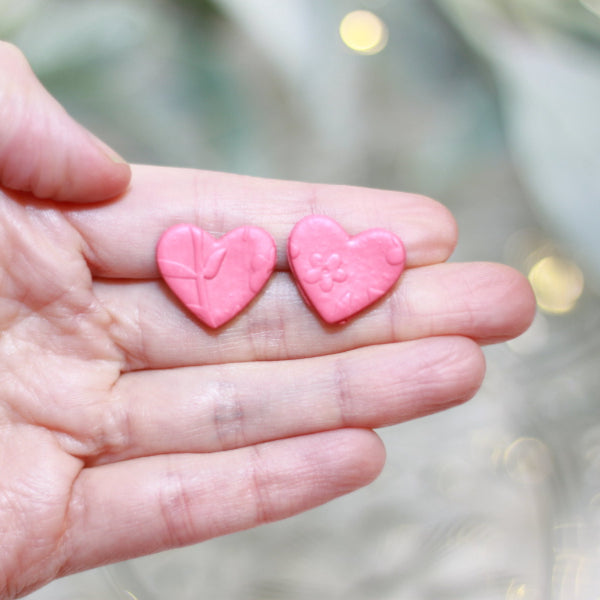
pixel 215 279
pixel 341 275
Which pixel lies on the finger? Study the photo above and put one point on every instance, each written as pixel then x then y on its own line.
pixel 152 504
pixel 121 237
pixel 483 301
pixel 45 152
pixel 214 408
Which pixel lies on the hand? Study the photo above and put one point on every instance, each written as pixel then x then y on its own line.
pixel 127 427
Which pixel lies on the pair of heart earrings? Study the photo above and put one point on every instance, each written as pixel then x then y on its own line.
pixel 338 275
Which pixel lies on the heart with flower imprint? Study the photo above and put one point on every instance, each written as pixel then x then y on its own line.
pixel 215 278
pixel 340 275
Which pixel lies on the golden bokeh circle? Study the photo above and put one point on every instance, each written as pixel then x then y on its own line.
pixel 557 282
pixel 364 32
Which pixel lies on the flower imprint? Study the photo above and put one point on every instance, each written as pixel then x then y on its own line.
pixel 325 271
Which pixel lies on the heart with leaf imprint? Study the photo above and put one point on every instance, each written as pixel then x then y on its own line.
pixel 215 278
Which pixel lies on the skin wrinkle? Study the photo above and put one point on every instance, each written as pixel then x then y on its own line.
pixel 469 314
pixel 79 325
pixel 478 357
pixel 87 250
pixel 74 505
pixel 9 245
pixel 268 332
pixel 9 416
pixel 511 289
pixel 207 202
pixel 176 507
pixel 12 120
pixel 312 202
pixel 6 168
pixel 440 233
pixel 48 545
pixel 254 329
pixel 416 305
pixel 132 360
pixel 34 262
pixel 426 369
pixel 13 390
pixel 133 356
pixel 79 321
pixel 43 183
pixel 143 343
pixel 67 181
pixel 343 394
pixel 62 545
pixel 458 358
pixel 10 317
pixel 394 303
pixel 279 338
pixel 65 430
pixel 464 309
pixel 116 428
pixel 77 510
pixel 259 487
pixel 228 414
pixel 30 182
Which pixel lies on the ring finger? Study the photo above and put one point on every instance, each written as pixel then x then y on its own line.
pixel 215 408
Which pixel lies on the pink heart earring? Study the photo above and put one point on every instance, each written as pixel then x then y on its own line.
pixel 340 275
pixel 215 279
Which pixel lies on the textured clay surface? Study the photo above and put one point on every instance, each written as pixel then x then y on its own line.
pixel 215 279
pixel 341 275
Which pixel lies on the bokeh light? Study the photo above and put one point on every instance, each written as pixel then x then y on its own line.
pixel 528 461
pixel 557 283
pixel 521 591
pixel 364 32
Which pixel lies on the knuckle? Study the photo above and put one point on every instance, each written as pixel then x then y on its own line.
pixel 175 506
pixel 344 396
pixel 228 415
pixel 9 53
pixel 260 483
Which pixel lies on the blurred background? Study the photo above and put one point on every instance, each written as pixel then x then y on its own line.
pixel 490 106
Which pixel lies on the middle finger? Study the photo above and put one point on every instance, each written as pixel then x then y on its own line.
pixel 483 301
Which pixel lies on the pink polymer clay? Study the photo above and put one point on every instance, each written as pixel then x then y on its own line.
pixel 215 279
pixel 341 275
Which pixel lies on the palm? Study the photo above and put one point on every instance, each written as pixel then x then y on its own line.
pixel 127 428
pixel 58 366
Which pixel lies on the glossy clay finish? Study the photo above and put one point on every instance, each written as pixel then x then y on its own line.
pixel 215 279
pixel 341 275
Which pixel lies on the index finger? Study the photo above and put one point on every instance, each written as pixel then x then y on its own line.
pixel 120 237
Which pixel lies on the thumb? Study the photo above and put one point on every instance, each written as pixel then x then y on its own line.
pixel 44 151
